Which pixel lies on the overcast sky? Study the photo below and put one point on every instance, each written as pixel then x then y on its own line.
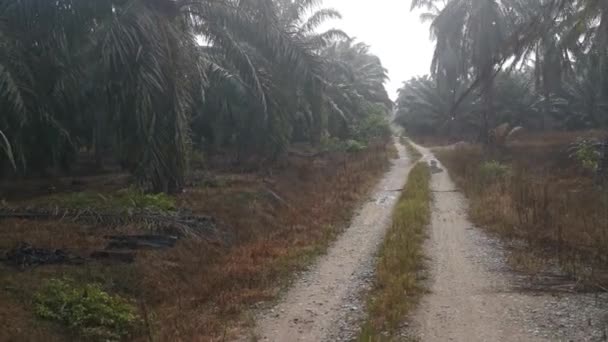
pixel 395 34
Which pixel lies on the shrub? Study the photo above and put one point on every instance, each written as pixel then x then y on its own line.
pixel 587 153
pixel 86 310
pixel 493 171
pixel 335 144
pixel 354 146
pixel 137 199
pixel 375 126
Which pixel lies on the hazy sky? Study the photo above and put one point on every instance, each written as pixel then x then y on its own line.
pixel 395 34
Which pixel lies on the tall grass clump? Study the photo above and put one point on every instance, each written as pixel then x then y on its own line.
pixel 400 267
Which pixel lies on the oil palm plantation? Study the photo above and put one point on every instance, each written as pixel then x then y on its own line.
pixel 148 80
pixel 354 81
pixel 470 37
pixel 559 45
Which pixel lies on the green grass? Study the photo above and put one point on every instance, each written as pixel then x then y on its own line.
pixel 125 200
pixel 400 267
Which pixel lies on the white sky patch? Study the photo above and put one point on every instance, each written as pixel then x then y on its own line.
pixel 394 33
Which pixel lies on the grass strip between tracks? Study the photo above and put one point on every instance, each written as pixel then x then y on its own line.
pixel 400 267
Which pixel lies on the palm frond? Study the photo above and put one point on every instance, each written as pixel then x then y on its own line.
pixel 319 18
pixel 8 150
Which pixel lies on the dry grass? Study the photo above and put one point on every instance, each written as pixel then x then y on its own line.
pixel 400 266
pixel 545 206
pixel 555 138
pixel 201 291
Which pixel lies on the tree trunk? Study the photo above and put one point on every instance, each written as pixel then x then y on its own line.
pixel 314 93
pixel 602 171
pixel 487 98
pixel 99 139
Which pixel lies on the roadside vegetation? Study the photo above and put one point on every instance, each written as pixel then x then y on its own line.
pixel 88 311
pixel 546 206
pixel 400 269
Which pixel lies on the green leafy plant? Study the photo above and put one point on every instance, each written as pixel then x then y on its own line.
pixel 334 144
pixel 86 310
pixel 137 199
pixel 329 144
pixel 493 171
pixel 587 153
pixel 354 146
pixel 124 200
pixel 374 126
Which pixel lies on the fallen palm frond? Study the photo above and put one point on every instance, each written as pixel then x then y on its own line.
pixel 179 224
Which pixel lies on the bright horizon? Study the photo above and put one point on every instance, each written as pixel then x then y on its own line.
pixel 395 34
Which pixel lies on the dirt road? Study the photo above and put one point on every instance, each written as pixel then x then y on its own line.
pixel 472 294
pixel 321 304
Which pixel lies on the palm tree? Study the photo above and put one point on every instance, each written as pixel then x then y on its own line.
pixel 8 150
pixel 354 80
pixel 140 62
pixel 470 37
pixel 421 107
pixel 143 78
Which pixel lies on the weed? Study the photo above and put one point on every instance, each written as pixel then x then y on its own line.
pixel 125 200
pixel 136 199
pixel 587 153
pixel 86 310
pixel 400 264
pixel 493 171
pixel 337 145
pixel 354 146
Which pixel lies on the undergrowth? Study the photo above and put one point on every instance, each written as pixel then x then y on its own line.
pixel 129 199
pixel 86 310
pixel 543 204
pixel 202 290
pixel 400 266
pixel 274 239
